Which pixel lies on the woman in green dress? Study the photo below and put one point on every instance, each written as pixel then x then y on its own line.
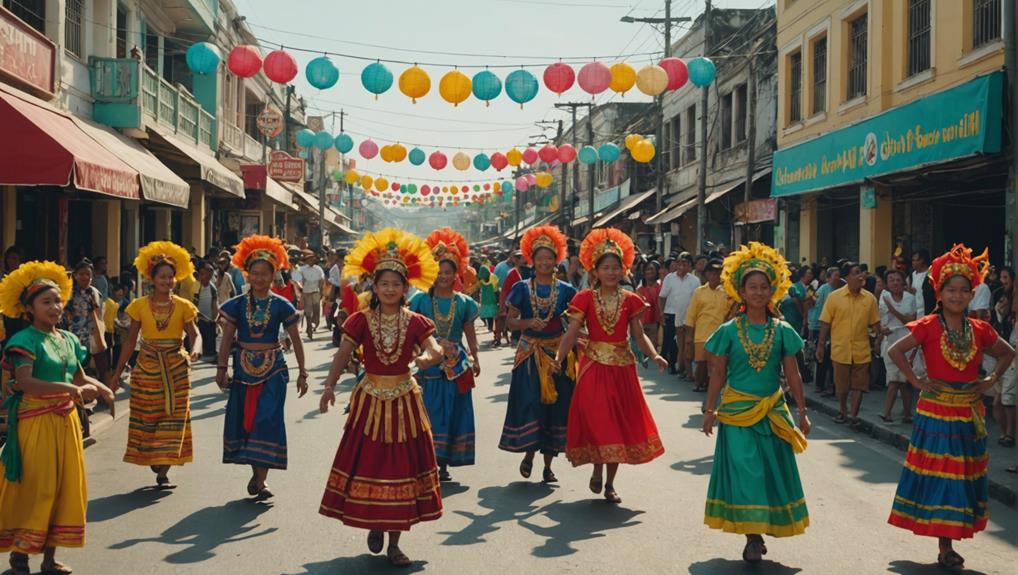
pixel 754 485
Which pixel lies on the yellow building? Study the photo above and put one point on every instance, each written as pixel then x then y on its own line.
pixel 890 126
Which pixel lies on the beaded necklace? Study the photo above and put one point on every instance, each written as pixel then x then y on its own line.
pixel 758 353
pixel 443 322
pixel 388 333
pixel 549 303
pixel 162 318
pixel 257 318
pixel 958 347
pixel 608 319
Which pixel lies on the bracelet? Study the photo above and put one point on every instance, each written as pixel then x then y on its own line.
pixel 218 367
pixel 710 411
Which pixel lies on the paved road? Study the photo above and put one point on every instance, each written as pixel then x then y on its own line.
pixel 494 522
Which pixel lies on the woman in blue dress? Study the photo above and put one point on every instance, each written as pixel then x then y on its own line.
pixel 447 386
pixel 539 398
pixel 255 432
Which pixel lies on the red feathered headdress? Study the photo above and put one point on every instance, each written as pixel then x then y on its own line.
pixel 448 245
pixel 604 241
pixel 549 237
pixel 959 262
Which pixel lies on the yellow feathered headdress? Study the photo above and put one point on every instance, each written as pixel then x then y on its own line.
pixel 31 277
pixel 393 250
pixel 265 248
pixel 156 253
pixel 761 258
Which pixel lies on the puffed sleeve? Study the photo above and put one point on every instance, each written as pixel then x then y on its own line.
pixel 791 342
pixel 635 305
pixel 720 342
pixel 134 309
pixel 286 310
pixel 189 310
pixel 922 328
pixel 80 353
pixel 420 328
pixel 470 308
pixel 354 327
pixel 580 306
pixel 232 308
pixel 519 296
pixel 22 349
pixel 986 336
pixel 416 303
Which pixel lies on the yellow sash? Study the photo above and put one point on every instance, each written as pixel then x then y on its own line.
pixel 773 407
pixel 543 352
pixel 959 394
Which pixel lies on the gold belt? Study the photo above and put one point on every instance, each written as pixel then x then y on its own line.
pixel 610 353
pixel 543 351
pixel 387 387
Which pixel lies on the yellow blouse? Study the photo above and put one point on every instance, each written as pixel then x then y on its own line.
pixel 184 312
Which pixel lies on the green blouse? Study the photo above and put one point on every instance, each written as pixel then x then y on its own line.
pixel 725 341
pixel 54 357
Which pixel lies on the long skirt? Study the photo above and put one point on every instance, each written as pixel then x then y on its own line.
pixel 46 507
pixel 159 432
pixel 609 421
pixel 452 420
pixel 384 476
pixel 255 430
pixel 530 424
pixel 943 489
pixel 754 484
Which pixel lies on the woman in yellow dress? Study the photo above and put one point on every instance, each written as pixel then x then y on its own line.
pixel 42 470
pixel 159 434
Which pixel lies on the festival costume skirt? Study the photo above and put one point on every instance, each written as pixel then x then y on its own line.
pixel 537 414
pixel 943 488
pixel 609 421
pixel 46 507
pixel 159 432
pixel 384 476
pixel 451 412
pixel 255 431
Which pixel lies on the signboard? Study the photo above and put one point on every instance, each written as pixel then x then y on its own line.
pixel 285 168
pixel 868 197
pixel 757 211
pixel 270 122
pixel 316 123
pixel 26 56
pixel 954 123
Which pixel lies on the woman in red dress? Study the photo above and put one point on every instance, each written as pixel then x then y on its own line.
pixel 609 422
pixel 385 477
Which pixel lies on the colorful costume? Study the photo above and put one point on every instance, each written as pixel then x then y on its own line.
pixel 943 488
pixel 489 293
pixel 754 483
pixel 609 421
pixel 42 472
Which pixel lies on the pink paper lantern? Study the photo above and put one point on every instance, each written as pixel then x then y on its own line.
pixel 548 153
pixel 530 156
pixel 566 153
pixel 280 66
pixel 677 72
pixel 499 161
pixel 531 180
pixel 438 160
pixel 522 184
pixel 244 61
pixel 368 149
pixel 595 78
pixel 559 77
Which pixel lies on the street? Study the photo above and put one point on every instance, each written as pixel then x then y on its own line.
pixel 494 522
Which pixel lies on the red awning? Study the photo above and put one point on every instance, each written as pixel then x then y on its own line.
pixel 43 147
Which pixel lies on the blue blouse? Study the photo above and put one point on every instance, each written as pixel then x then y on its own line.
pixel 519 298
pixel 281 313
pixel 466 311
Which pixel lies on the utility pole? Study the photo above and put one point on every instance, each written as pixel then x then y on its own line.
pixel 349 188
pixel 572 106
pixel 701 184
pixel 561 180
pixel 747 196
pixel 1011 193
pixel 590 169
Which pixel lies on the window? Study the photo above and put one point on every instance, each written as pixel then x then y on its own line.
pixel 690 134
pixel 857 38
pixel 795 87
pixel 726 121
pixel 31 12
pixel 73 39
pixel 121 32
pixel 919 22
pixel 675 159
pixel 741 112
pixel 986 21
pixel 152 51
pixel 820 75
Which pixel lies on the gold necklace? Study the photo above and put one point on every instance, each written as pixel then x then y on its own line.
pixel 608 319
pixel 758 353
pixel 549 303
pixel 162 318
pixel 958 347
pixel 388 333
pixel 443 322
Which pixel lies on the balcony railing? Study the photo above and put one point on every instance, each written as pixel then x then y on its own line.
pixel 241 143
pixel 129 94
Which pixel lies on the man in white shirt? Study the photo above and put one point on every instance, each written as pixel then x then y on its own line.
pixel 897 307
pixel 208 309
pixel 312 278
pixel 920 268
pixel 676 292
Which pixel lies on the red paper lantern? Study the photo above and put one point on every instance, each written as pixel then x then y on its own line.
pixel 566 153
pixel 678 74
pixel 499 161
pixel 548 153
pixel 244 61
pixel 530 156
pixel 280 67
pixel 559 77
pixel 438 160
pixel 395 186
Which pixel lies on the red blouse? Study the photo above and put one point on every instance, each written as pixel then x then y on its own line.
pixel 927 331
pixel 650 295
pixel 419 329
pixel 582 307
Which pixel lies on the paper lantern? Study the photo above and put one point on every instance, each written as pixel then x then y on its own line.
pixel 521 86
pixel 465 189
pixel 461 161
pixel 425 190
pixel 412 188
pixel 486 86
pixel 376 78
pixel 652 80
pixel 548 153
pixel 566 153
pixel 531 179
pixel 306 138
pixel 530 156
pixel 623 78
pixel 394 187
pixel 352 177
pixel 323 140
pixel 514 157
pixel 399 152
pixel 381 184
pixel 280 67
pixel 338 175
pixel 486 187
pixel 701 71
pixel 414 83
pixel 588 154
pixel 368 149
pixel 507 188
pixel 385 152
pixel 643 151
pixel 608 152
pixel 438 160
pixel 203 58
pixel 544 180
pixel 476 188
pixel 343 143
pixel 594 78
pixel 499 161
pixel 321 73
pixel 631 141
pixel 454 87
pixel 522 184
pixel 244 61
pixel 559 77
pixel 677 72
pixel 367 182
pixel 416 156
pixel 482 162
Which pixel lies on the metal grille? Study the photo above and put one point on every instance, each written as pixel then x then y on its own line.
pixel 986 20
pixel 741 112
pixel 857 58
pixel 726 121
pixel 795 87
pixel 676 140
pixel 31 12
pixel 691 134
pixel 73 39
pixel 918 36
pixel 820 75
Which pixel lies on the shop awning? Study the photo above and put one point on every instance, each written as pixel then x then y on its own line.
pixel 624 206
pixel 672 212
pixel 256 178
pixel 740 183
pixel 309 201
pixel 44 147
pixel 205 167
pixel 335 219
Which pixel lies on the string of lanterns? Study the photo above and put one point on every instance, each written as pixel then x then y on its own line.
pixel 381 183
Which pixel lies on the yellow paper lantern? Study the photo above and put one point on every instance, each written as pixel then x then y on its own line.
pixel 454 87
pixel 643 151
pixel 352 177
pixel 399 152
pixel 623 77
pixel 652 80
pixel 381 184
pixel 514 156
pixel 445 189
pixel 414 83
pixel 461 161
pixel 631 141
pixel 543 179
pixel 366 182
pixel 406 199
pixel 385 153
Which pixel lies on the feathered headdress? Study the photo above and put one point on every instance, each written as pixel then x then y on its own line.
pixel 604 241
pixel 393 250
pixel 756 257
pixel 29 279
pixel 448 245
pixel 156 253
pixel 261 248
pixel 959 262
pixel 549 237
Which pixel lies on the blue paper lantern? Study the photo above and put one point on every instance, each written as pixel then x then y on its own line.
pixel 486 86
pixel 507 188
pixel 521 86
pixel 343 143
pixel 588 154
pixel 322 73
pixel 323 140
pixel 482 162
pixel 608 152
pixel 376 78
pixel 305 138
pixel 203 58
pixel 416 156
pixel 701 71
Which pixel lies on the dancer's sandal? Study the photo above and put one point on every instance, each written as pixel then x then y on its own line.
pixel 376 540
pixel 252 487
pixel 610 495
pixel 950 561
pixel 264 494
pixel 163 482
pixel 596 483
pixel 55 568
pixel 19 564
pixel 754 551
pixel 548 476
pixel 444 476
pixel 526 467
pixel 397 558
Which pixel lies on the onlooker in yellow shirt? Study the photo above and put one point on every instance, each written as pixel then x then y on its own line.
pixel 848 315
pixel 708 309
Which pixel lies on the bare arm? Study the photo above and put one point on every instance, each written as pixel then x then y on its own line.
pixel 339 361
pixel 825 331
pixel 471 333
pixel 432 353
pixel 25 382
pixel 1004 353
pixel 568 341
pixel 223 358
pixel 126 349
pixel 718 366
pixel 298 352
pixel 514 322
pixel 794 379
pixel 643 342
pixel 897 353
pixel 192 332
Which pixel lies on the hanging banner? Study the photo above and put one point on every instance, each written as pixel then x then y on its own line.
pixel 285 168
pixel 26 56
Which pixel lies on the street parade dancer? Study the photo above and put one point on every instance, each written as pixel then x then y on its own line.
pixel 609 421
pixel 159 433
pixel 255 431
pixel 943 488
pixel 539 397
pixel 447 387
pixel 385 476
pixel 43 495
pixel 755 488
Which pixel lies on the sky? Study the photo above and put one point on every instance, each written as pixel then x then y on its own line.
pixel 469 34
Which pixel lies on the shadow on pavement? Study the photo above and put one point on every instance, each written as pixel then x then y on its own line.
pixel 451 488
pixel 498 398
pixel 724 566
pixel 912 568
pixel 507 503
pixel 360 564
pixel 113 506
pixel 699 466
pixel 576 521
